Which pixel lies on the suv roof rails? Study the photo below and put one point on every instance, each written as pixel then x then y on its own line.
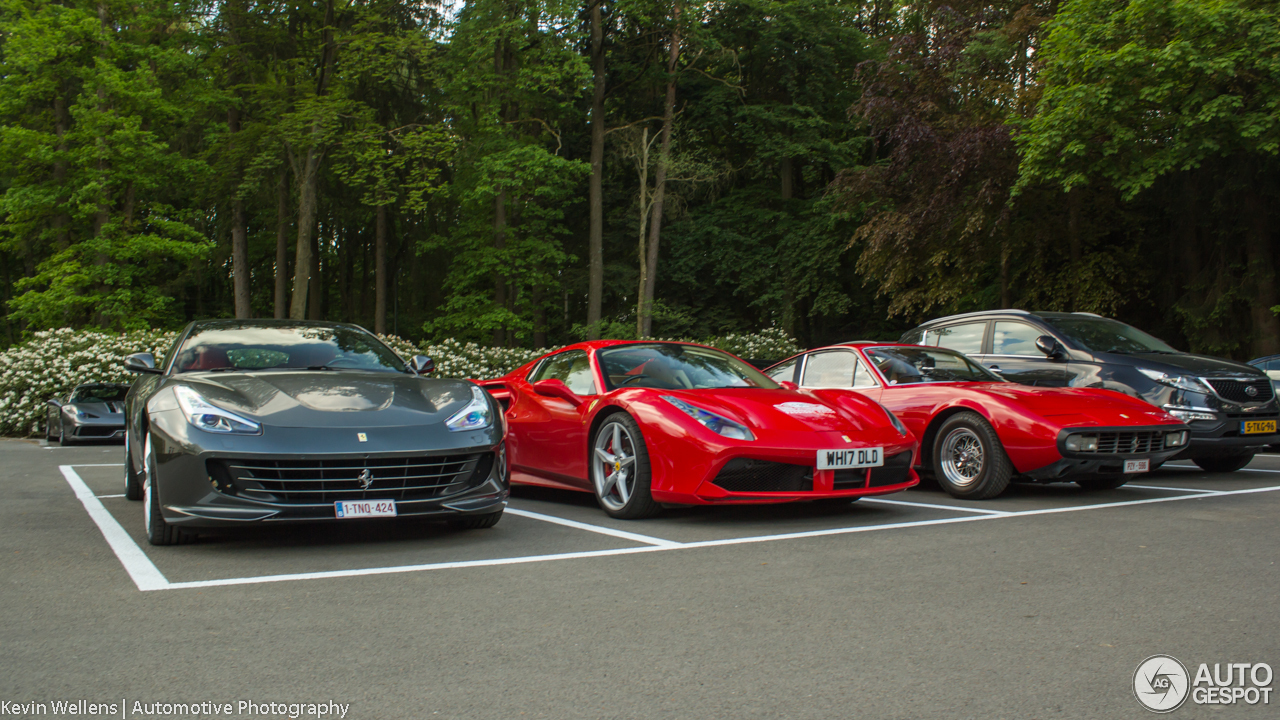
pixel 1086 313
pixel 1010 311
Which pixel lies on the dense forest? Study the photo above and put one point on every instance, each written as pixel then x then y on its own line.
pixel 533 172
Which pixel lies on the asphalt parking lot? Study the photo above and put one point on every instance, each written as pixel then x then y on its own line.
pixel 1039 604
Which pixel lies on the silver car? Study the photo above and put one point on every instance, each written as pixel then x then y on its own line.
pixel 92 411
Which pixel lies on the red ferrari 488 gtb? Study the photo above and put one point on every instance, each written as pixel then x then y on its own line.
pixel 645 423
pixel 978 431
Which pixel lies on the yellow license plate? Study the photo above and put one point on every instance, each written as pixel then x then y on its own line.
pixel 1257 427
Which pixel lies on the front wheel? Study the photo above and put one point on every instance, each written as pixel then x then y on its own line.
pixel 159 531
pixel 1223 463
pixel 969 461
pixel 132 485
pixel 619 465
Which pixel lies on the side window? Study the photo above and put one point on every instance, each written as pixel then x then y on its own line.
pixel 1015 338
pixel 965 338
pixel 571 368
pixel 833 368
pixel 864 377
pixel 785 371
pixel 1272 369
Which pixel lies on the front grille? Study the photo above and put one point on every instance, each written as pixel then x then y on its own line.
pixel 747 475
pixel 1130 442
pixel 306 482
pixel 1237 391
pixel 895 470
pixel 97 431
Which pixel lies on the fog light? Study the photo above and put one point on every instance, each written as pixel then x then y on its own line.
pixel 1175 439
pixel 1082 443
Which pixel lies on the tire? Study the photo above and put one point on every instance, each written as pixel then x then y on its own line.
pixel 1109 481
pixel 63 440
pixel 132 485
pixel 476 522
pixel 1223 463
pixel 48 429
pixel 969 461
pixel 159 531
pixel 619 469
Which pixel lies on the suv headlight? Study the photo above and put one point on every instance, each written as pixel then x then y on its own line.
pixel 211 418
pixel 717 424
pixel 476 415
pixel 1182 382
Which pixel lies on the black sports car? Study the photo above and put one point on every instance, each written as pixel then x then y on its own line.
pixel 92 411
pixel 275 420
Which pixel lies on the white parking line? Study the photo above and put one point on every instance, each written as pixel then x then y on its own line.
pixel 595 528
pixel 147 577
pixel 981 511
pixel 99 465
pixel 1257 470
pixel 1159 487
pixel 144 573
pixel 109 496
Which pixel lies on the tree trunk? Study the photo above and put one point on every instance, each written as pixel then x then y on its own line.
pixel 282 245
pixel 1262 273
pixel 595 189
pixel 499 280
pixel 1074 202
pixel 380 272
pixel 660 184
pixel 315 288
pixel 239 241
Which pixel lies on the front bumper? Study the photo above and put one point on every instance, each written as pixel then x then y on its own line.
pixel 204 486
pixel 98 428
pixel 1223 437
pixel 1129 443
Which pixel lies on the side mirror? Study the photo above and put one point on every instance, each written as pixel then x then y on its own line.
pixel 141 363
pixel 788 385
pixel 54 402
pixel 557 389
pixel 421 364
pixel 1050 346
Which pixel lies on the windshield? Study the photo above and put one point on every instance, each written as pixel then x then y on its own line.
pixel 671 366
pixel 905 365
pixel 229 347
pixel 1105 335
pixel 99 393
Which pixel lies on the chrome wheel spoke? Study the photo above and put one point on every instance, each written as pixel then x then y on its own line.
pixel 605 456
pixel 623 491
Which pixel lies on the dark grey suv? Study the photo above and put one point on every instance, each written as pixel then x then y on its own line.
pixel 1230 407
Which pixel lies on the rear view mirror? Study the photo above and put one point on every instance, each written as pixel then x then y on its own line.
pixel 557 389
pixel 1050 346
pixel 421 364
pixel 141 363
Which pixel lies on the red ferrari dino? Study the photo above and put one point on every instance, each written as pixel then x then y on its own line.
pixel 646 423
pixel 978 431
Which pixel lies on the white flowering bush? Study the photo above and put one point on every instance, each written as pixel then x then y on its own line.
pixel 771 344
pixel 55 361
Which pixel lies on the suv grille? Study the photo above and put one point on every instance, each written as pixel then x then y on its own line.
pixel 895 470
pixel 747 475
pixel 1237 391
pixel 310 482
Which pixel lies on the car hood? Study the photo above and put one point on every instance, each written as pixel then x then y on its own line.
pixel 1087 405
pixel 1183 363
pixel 790 410
pixel 333 398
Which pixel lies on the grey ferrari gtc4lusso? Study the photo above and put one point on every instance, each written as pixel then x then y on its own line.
pixel 271 420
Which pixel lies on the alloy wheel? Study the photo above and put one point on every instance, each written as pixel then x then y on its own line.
pixel 613 466
pixel 962 457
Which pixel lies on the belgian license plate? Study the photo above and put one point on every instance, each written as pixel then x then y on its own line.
pixel 1137 466
pixel 1257 427
pixel 365 508
pixel 846 458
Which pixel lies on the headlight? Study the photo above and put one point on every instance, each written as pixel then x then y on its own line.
pixel 475 416
pixel 1187 415
pixel 1182 382
pixel 1082 443
pixel 902 429
pixel 211 418
pixel 717 424
pixel 1175 439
